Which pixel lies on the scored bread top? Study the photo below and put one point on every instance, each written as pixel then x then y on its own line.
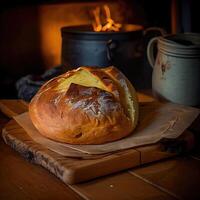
pixel 128 94
pixel 86 106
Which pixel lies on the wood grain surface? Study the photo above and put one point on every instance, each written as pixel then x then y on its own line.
pixel 22 180
pixel 180 176
pixel 171 179
pixel 71 170
pixel 13 107
pixel 124 186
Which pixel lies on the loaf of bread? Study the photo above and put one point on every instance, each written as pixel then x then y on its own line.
pixel 87 105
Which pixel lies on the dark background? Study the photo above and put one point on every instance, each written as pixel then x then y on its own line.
pixel 20 52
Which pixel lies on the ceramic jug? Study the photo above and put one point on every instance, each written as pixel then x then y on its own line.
pixel 176 68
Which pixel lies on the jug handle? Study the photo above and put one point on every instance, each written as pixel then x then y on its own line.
pixel 150 47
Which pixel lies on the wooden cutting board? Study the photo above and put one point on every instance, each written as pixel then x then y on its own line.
pixel 71 170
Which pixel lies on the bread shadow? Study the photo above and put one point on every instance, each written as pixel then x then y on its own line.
pixel 149 111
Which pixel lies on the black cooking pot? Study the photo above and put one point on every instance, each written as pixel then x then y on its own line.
pixel 81 46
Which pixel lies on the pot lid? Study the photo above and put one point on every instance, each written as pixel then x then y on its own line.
pixel 86 32
pixel 87 28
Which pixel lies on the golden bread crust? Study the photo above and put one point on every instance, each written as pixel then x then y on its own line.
pixel 78 111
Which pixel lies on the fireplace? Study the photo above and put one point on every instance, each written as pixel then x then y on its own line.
pixel 31 39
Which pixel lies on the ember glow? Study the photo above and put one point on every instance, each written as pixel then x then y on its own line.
pixel 103 21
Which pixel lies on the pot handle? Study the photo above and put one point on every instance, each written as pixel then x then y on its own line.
pixel 150 50
pixel 155 29
pixel 111 47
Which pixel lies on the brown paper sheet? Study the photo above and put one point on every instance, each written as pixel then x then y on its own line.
pixel 156 121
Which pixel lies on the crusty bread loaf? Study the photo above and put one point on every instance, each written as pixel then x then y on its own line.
pixel 86 106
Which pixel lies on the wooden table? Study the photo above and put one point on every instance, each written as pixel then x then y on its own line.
pixel 175 178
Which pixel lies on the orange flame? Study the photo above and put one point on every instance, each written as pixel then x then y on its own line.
pixel 105 23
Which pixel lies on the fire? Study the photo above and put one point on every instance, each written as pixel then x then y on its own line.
pixel 104 23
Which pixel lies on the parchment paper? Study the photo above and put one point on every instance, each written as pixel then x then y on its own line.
pixel 156 121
